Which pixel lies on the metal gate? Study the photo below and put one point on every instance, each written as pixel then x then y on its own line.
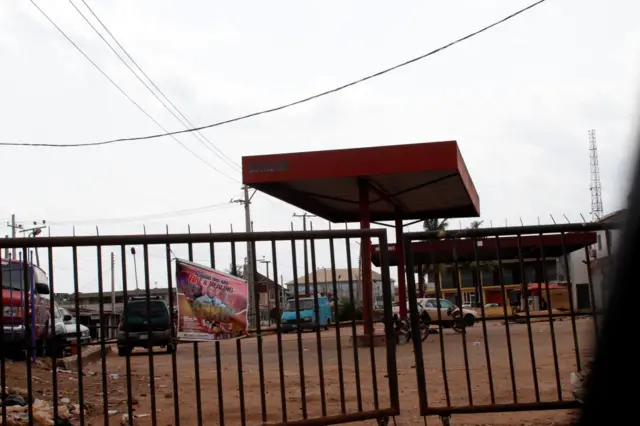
pixel 317 377
pixel 516 349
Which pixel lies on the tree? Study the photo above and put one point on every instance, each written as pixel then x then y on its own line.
pixel 476 224
pixel 432 225
pixel 435 224
pixel 236 270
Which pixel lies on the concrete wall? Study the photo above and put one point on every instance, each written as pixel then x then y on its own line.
pixel 599 257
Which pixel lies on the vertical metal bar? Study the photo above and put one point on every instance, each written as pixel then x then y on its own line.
pixel 125 312
pixel 525 296
pixel 369 320
pixel 514 388
pixel 219 380
pixel 174 333
pixel 256 303
pixel 32 301
pixel 402 281
pixel 415 329
pixel 76 291
pixel 296 296
pixel 196 351
pixel 212 251
pixel 240 381
pixel 354 338
pixel 103 353
pixel 487 353
pixel 574 329
pixel 463 336
pixel 212 259
pixel 316 309
pixel 592 296
pixel 11 270
pixel 27 273
pixel 332 255
pixel 152 380
pixel 552 330
pixel 234 271
pixel 387 298
pixel 443 356
pixel 54 343
pixel 234 260
pixel 3 346
pixel 283 394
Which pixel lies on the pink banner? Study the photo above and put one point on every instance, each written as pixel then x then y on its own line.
pixel 212 305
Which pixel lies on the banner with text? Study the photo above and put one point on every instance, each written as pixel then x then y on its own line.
pixel 212 305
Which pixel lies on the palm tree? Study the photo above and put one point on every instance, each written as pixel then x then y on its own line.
pixel 435 224
pixel 476 224
pixel 432 225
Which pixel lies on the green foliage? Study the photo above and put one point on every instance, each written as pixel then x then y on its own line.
pixel 347 311
pixel 236 270
pixel 435 224
pixel 432 225
pixel 476 224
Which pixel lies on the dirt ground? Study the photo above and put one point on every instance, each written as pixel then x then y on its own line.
pixel 455 371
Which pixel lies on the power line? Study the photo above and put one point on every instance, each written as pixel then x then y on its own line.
pixel 182 119
pixel 174 213
pixel 291 104
pixel 124 93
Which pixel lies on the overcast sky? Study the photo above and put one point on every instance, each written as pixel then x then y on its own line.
pixel 519 99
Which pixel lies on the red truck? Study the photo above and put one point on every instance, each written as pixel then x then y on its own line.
pixel 22 281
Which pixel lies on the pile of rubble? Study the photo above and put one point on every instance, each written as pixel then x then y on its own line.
pixel 16 405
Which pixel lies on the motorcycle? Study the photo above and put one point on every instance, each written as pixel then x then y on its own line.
pixel 402 328
pixel 459 324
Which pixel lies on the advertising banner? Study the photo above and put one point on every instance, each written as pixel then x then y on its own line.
pixel 212 305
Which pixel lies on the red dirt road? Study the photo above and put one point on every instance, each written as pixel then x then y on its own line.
pixel 311 386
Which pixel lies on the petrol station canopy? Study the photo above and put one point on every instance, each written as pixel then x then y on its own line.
pixel 414 181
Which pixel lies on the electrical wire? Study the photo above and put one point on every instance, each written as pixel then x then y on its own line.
pixel 284 106
pixel 118 220
pixel 125 93
pixel 181 118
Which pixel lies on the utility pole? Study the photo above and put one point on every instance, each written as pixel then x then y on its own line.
pixel 14 231
pixel 30 232
pixel 250 255
pixel 304 217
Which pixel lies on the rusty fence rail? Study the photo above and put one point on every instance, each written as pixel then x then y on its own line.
pixel 516 286
pixel 318 377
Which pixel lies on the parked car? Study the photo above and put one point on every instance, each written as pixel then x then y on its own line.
pixel 71 329
pixel 307 314
pixel 15 315
pixel 145 323
pixel 447 312
pixel 66 333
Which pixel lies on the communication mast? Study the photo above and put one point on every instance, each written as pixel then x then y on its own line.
pixel 596 187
